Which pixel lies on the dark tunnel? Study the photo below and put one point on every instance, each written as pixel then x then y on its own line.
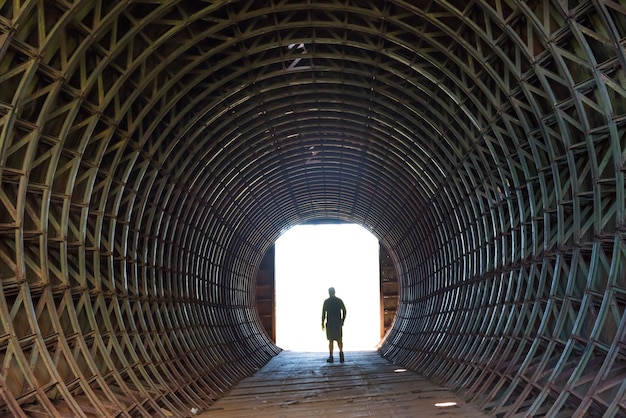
pixel 151 153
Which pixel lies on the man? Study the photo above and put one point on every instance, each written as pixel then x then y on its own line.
pixel 334 313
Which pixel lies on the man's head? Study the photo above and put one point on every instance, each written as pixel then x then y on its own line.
pixel 331 291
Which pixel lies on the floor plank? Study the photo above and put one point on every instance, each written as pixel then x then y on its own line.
pixel 296 384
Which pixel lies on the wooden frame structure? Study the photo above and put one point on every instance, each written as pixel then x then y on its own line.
pixel 152 151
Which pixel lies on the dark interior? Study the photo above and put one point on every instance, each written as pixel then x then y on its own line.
pixel 151 152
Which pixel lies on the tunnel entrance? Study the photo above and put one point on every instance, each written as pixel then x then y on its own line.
pixel 266 301
pixel 308 260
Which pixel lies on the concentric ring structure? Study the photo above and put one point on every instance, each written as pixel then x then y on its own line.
pixel 151 152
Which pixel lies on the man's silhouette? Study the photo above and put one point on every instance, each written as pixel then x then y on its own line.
pixel 334 313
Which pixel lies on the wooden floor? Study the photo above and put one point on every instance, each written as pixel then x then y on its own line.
pixel 295 384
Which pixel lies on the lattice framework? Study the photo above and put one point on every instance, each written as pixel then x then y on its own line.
pixel 151 152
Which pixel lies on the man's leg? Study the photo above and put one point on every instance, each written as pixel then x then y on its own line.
pixel 330 351
pixel 340 345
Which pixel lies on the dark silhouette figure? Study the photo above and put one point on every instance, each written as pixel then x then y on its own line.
pixel 334 313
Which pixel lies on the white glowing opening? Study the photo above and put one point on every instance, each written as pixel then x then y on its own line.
pixel 309 260
pixel 445 404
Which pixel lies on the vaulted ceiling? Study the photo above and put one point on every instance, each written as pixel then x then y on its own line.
pixel 151 152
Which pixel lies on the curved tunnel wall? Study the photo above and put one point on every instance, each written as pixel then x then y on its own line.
pixel 152 152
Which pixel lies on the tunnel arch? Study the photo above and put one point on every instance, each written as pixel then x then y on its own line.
pixel 151 152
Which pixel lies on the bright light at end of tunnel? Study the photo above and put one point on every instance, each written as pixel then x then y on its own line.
pixel 309 260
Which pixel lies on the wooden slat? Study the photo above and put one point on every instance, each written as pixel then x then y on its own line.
pixel 297 384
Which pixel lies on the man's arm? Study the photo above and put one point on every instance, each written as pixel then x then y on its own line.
pixel 344 312
pixel 323 314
